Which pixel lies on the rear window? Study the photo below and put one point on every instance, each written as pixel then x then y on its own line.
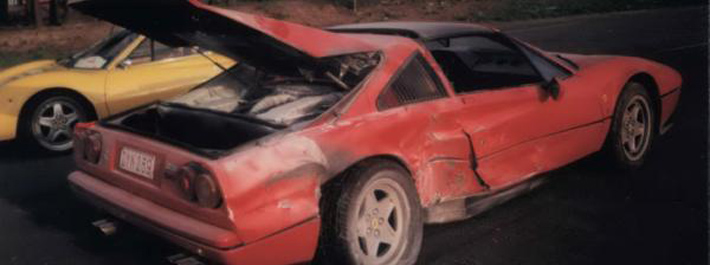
pixel 417 82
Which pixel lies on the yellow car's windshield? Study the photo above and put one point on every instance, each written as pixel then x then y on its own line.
pixel 102 53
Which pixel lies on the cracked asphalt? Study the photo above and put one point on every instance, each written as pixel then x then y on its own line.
pixel 585 214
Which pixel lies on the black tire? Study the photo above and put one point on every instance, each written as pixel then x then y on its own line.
pixel 342 203
pixel 622 130
pixel 37 107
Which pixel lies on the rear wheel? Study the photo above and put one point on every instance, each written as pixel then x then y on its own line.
pixel 633 128
pixel 377 219
pixel 48 121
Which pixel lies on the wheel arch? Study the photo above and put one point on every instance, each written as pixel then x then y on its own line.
pixel 337 178
pixel 371 159
pixel 651 85
pixel 59 91
pixel 329 209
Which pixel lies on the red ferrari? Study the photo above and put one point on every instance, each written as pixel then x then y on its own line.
pixel 344 142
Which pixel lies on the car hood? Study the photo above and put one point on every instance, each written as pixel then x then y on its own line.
pixel 27 70
pixel 260 41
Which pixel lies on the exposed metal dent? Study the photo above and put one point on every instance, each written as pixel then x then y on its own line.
pixel 445 158
pixel 444 212
pixel 306 170
pixel 474 162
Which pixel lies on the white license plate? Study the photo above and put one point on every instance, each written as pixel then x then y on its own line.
pixel 137 162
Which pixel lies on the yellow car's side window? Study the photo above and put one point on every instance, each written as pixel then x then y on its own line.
pixel 141 54
pixel 152 51
pixel 163 52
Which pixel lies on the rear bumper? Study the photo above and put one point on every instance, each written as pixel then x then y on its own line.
pixel 293 245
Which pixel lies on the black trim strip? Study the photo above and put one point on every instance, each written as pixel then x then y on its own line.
pixel 671 92
pixel 478 204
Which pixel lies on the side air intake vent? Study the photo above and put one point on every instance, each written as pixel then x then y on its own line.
pixel 415 83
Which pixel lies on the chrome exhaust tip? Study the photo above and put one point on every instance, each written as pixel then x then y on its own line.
pixel 107 227
pixel 183 259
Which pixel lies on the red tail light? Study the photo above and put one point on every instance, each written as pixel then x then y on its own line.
pixel 197 185
pixel 92 147
pixel 185 177
pixel 88 143
pixel 206 191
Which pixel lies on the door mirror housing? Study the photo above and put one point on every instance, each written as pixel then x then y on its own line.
pixel 552 88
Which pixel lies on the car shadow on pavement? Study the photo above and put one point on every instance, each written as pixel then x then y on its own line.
pixel 11 151
pixel 33 183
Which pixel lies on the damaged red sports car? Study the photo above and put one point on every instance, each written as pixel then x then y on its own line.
pixel 344 142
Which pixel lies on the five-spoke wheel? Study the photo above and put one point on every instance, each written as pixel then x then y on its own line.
pixel 381 212
pixel 632 132
pixel 50 122
pixel 372 216
pixel 635 133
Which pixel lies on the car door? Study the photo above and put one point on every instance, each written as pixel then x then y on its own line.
pixel 151 71
pixel 517 128
pixel 426 131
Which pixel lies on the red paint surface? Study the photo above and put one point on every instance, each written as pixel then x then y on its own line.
pixel 271 189
pixel 312 41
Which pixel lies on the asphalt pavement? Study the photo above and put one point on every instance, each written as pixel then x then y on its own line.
pixel 587 213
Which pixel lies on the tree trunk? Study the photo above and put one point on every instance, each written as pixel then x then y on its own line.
pixel 58 12
pixel 4 11
pixel 33 12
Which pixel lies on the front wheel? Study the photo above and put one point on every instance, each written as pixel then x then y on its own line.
pixel 632 133
pixel 377 219
pixel 49 122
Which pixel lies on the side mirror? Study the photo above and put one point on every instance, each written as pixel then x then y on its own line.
pixel 125 64
pixel 553 88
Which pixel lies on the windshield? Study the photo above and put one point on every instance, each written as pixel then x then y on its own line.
pixel 101 53
pixel 281 99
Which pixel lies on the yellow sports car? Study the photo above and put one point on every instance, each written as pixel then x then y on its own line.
pixel 41 101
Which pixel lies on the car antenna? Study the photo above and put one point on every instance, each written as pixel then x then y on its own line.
pixel 201 52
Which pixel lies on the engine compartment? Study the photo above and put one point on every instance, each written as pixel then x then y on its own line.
pixel 245 103
pixel 282 102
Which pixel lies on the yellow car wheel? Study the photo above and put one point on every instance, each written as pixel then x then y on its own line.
pixel 50 119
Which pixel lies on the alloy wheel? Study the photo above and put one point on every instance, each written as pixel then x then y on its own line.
pixel 636 128
pixel 382 215
pixel 53 123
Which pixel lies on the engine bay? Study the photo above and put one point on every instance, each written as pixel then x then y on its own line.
pixel 246 103
pixel 281 99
